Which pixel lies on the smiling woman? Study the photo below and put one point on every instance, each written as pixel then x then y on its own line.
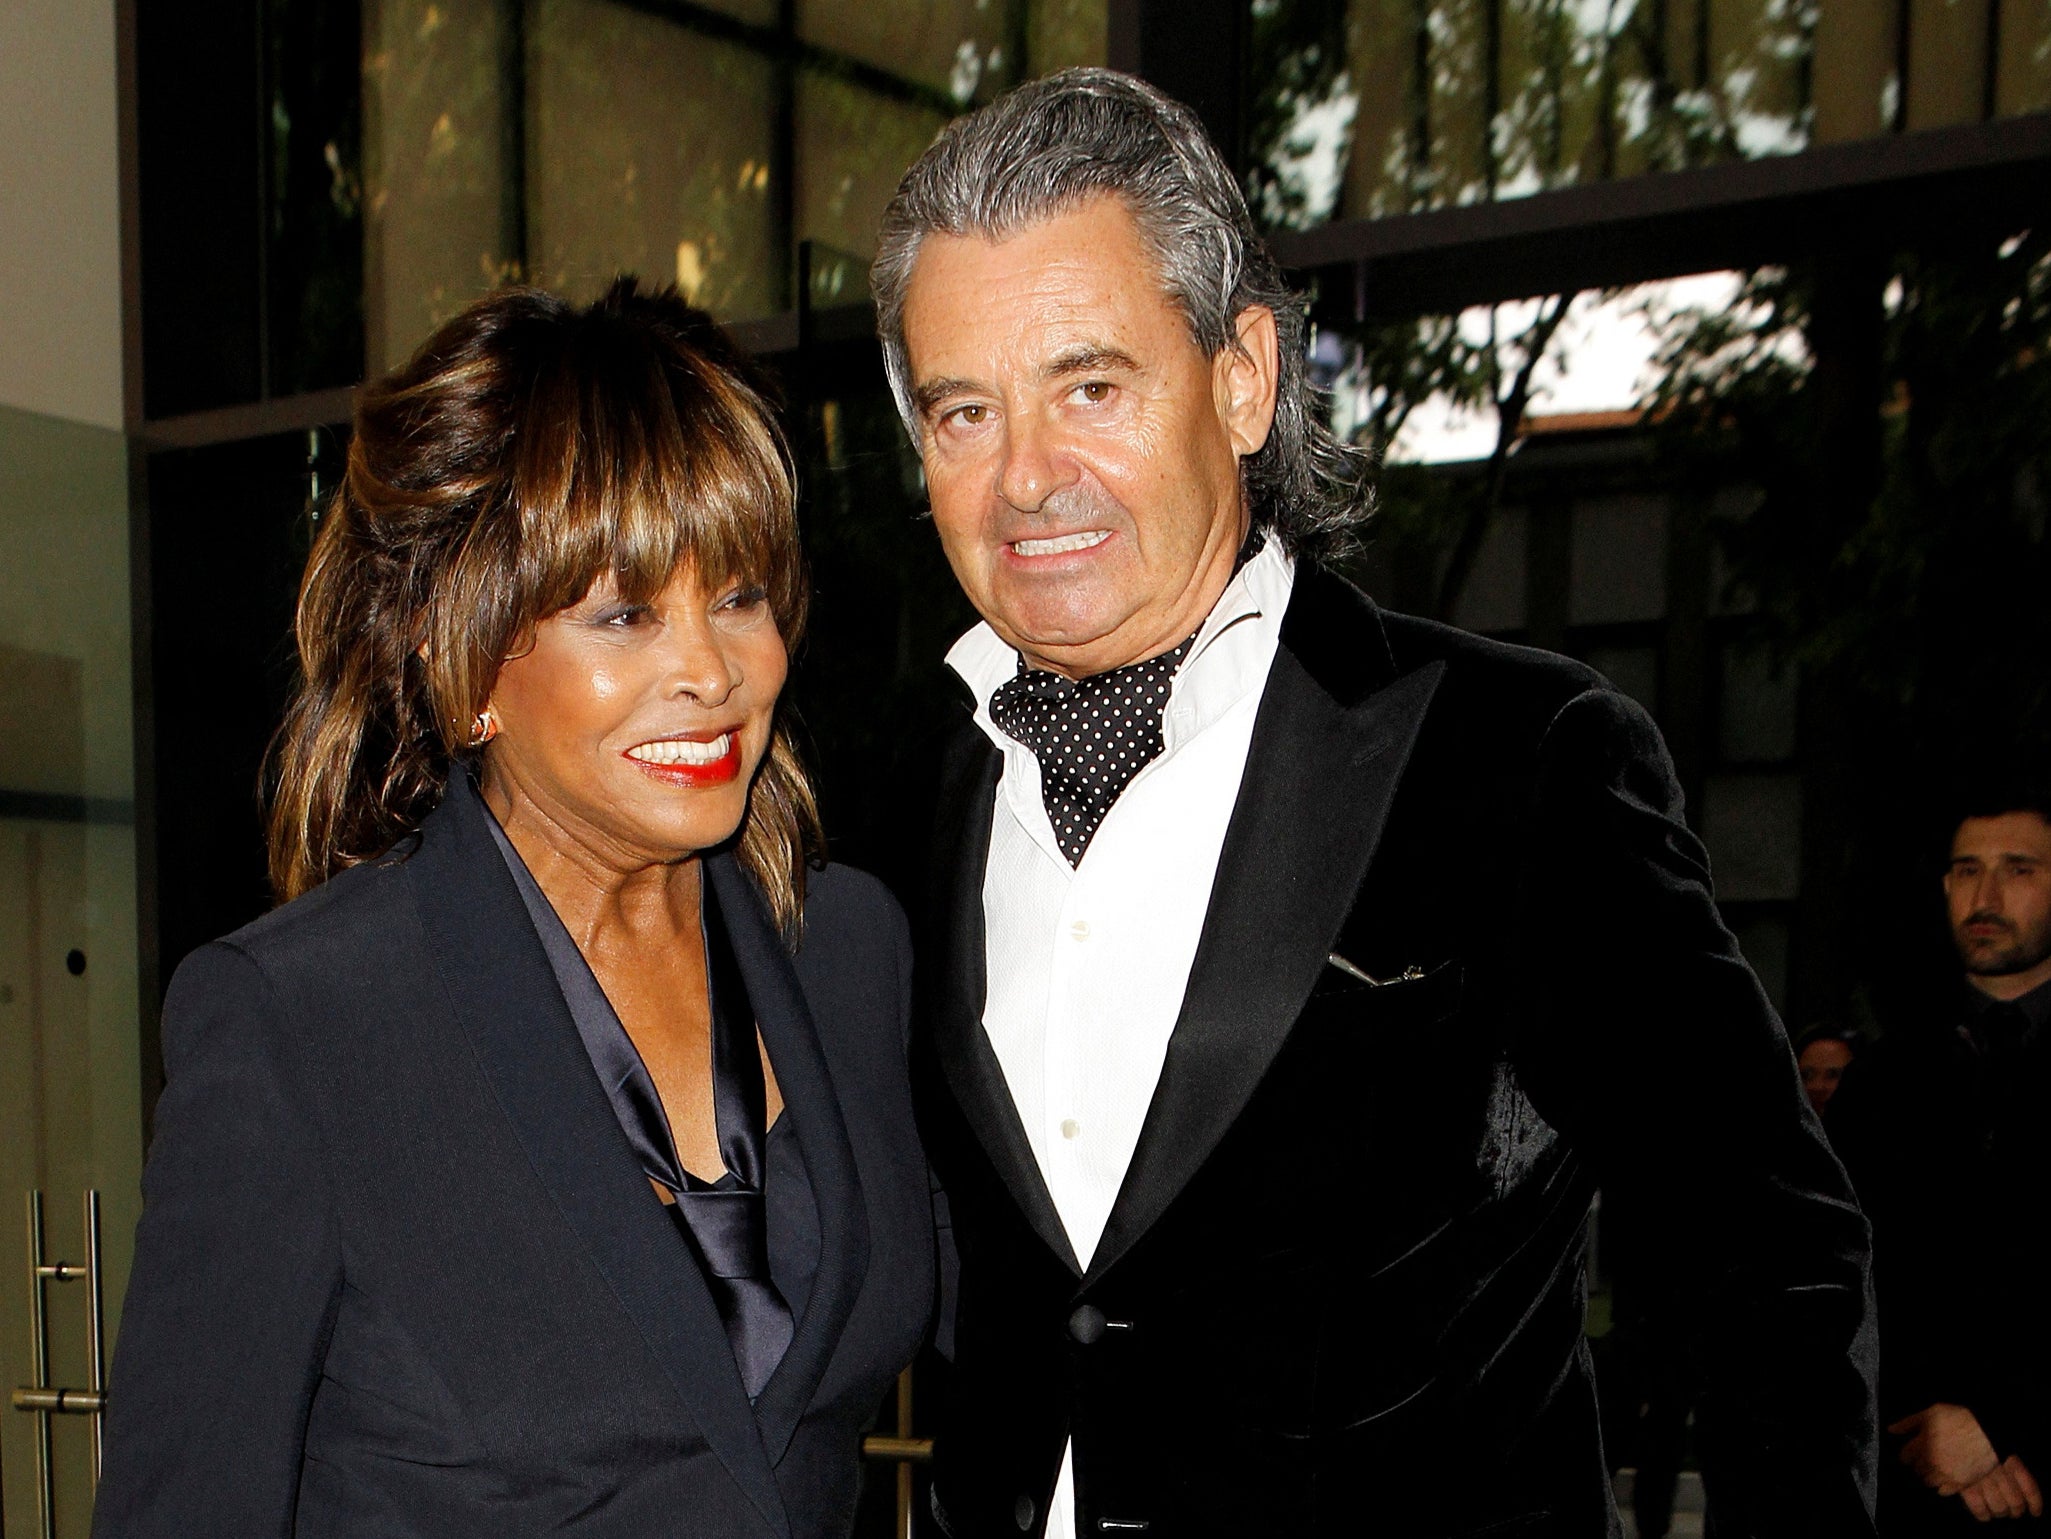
pixel 521 1171
pixel 530 462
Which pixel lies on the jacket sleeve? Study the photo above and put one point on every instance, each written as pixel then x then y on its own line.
pixel 237 1269
pixel 1652 1046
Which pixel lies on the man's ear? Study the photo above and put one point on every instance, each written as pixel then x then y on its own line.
pixel 1244 377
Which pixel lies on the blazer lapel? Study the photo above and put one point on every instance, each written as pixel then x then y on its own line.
pixel 809 1097
pixel 959 985
pixel 1335 730
pixel 502 991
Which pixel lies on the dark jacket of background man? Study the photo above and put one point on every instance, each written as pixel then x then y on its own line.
pixel 1947 1132
pixel 1342 1289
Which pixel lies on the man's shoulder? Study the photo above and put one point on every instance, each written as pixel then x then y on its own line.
pixel 1514 685
pixel 1483 663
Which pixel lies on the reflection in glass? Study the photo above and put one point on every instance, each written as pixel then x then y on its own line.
pixel 313 197
pixel 70 1070
pixel 1369 107
pixel 651 150
pixel 853 147
pixel 443 225
pixel 1063 33
pixel 566 141
pixel 968 50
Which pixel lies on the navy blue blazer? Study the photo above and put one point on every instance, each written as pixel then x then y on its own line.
pixel 399 1272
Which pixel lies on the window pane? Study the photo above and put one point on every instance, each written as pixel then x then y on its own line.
pixel 1619 570
pixel 650 151
pixel 1947 58
pixel 71 1072
pixel 1359 108
pixel 2023 82
pixel 1493 597
pixel 853 147
pixel 964 50
pixel 1752 825
pixel 1061 33
pixel 442 216
pixel 1380 44
pixel 1458 95
pixel 314 207
pixel 1756 716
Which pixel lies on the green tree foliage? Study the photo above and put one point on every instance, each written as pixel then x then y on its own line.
pixel 1433 520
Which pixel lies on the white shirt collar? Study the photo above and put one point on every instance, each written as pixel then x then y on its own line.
pixel 1233 649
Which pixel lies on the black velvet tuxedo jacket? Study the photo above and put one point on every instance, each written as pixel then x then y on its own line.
pixel 1341 1290
pixel 399 1271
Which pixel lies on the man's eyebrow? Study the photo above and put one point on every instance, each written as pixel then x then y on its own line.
pixel 1089 360
pixel 931 393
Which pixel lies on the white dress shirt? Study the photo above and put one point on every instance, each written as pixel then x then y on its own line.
pixel 1087 965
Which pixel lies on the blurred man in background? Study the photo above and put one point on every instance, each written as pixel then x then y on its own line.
pixel 1944 1132
pixel 1822 1056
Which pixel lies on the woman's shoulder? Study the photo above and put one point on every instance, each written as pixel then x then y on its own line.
pixel 847 902
pixel 855 937
pixel 353 923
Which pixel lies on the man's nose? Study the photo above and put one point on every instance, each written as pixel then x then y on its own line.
pixel 1987 892
pixel 1034 466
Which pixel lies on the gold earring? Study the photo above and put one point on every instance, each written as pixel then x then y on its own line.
pixel 483 728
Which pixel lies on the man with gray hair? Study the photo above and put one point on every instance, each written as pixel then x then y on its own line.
pixel 1288 961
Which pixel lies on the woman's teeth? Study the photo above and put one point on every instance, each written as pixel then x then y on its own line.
pixel 1062 545
pixel 679 751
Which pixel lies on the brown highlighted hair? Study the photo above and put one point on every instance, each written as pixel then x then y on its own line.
pixel 528 448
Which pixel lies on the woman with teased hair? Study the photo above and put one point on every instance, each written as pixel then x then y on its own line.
pixel 545 1164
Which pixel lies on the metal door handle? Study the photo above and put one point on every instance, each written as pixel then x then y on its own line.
pixel 62 1402
pixel 42 1398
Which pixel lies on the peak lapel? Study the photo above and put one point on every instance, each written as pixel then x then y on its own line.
pixel 785 1021
pixel 959 985
pixel 500 987
pixel 1334 731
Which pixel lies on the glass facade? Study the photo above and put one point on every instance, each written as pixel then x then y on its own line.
pixel 655 151
pixel 1363 108
pixel 568 141
pixel 70 1081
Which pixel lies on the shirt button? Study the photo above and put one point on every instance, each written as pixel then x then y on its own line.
pixel 1070 1127
pixel 1080 929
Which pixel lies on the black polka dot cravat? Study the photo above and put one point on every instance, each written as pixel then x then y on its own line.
pixel 1090 735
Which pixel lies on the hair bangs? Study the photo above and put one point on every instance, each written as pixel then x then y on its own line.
pixel 655 466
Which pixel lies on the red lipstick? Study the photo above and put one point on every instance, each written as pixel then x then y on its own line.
pixel 671 765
